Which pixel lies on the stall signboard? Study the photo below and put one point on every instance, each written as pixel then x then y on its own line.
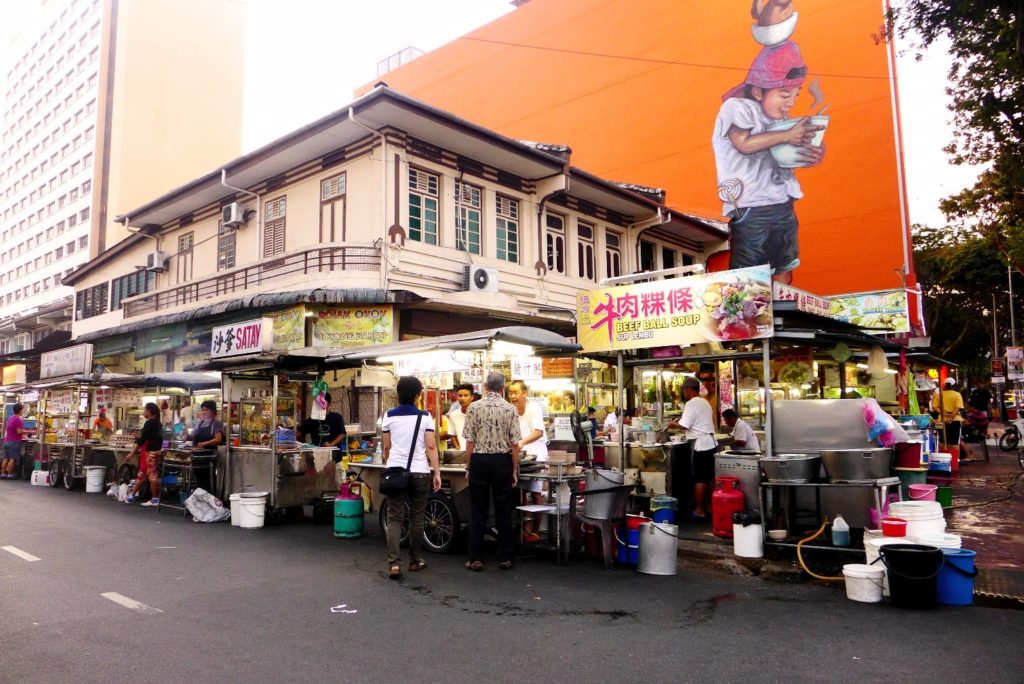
pixel 1015 363
pixel 885 312
pixel 527 368
pixel 60 402
pixel 289 328
pixel 426 363
pixel 805 301
pixel 104 398
pixel 353 326
pixel 709 307
pixel 239 339
pixel 14 374
pixel 438 380
pixel 76 360
pixel 127 397
pixel 557 367
pixel 473 375
pixel 562 426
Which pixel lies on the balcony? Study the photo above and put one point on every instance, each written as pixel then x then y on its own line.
pixel 283 270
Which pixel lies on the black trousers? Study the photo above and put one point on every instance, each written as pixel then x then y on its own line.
pixel 490 478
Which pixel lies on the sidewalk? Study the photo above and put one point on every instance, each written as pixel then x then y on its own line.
pixel 987 512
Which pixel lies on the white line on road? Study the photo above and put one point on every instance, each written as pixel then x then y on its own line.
pixel 130 603
pixel 19 553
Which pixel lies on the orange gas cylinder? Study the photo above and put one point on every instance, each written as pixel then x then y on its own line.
pixel 726 500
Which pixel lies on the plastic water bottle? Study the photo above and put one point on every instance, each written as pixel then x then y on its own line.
pixel 840 532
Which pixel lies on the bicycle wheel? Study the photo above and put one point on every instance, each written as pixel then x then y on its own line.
pixel 1020 458
pixel 1009 440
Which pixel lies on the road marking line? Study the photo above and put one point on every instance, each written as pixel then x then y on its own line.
pixel 19 553
pixel 130 603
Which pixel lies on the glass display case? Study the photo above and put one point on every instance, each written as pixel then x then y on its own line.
pixel 256 420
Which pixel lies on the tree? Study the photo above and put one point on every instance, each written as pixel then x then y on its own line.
pixel 987 89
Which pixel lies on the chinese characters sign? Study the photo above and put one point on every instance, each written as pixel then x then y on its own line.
pixel 805 301
pixel 75 360
pixel 526 368
pixel 238 339
pixel 884 312
pixel 357 326
pixel 710 307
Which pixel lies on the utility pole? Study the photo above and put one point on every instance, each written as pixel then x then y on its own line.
pixel 1013 325
pixel 1000 394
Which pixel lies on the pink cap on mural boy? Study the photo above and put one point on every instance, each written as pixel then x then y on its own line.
pixel 774 67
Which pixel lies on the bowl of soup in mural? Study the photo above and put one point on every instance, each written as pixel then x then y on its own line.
pixel 788 156
pixel 737 309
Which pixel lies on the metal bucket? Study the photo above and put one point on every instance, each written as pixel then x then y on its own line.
pixel 659 548
pixel 600 507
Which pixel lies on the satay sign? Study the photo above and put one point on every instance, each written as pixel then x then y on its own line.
pixel 710 307
pixel 239 339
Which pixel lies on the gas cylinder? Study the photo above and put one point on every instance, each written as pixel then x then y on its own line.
pixel 348 510
pixel 726 500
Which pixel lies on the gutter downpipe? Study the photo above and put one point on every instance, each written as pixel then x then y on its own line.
pixel 654 221
pixel 541 267
pixel 259 209
pixel 383 195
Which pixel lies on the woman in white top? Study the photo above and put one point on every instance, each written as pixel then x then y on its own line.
pixel 405 427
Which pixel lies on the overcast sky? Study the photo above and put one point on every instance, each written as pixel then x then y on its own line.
pixel 294 47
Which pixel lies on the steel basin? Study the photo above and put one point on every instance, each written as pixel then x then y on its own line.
pixel 857 465
pixel 791 467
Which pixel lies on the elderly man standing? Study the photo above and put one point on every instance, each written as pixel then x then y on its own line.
pixel 699 423
pixel 492 466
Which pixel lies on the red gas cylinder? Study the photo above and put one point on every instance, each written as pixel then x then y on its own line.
pixel 726 500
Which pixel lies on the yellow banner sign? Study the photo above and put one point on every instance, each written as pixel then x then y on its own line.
pixel 710 307
pixel 355 326
pixel 289 328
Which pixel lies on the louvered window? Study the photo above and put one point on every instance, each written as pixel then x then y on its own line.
pixel 423 195
pixel 225 248
pixel 332 187
pixel 555 243
pixel 613 255
pixel 585 250
pixel 469 201
pixel 184 265
pixel 130 285
pixel 507 237
pixel 273 227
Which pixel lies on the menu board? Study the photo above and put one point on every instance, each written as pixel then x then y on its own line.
pixel 526 368
pixel 557 367
pixel 129 398
pixel 60 402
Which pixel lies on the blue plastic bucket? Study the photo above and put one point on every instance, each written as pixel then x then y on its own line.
pixel 663 509
pixel 956 581
pixel 628 552
pixel 664 515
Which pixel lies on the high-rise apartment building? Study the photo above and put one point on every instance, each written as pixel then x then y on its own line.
pixel 97 100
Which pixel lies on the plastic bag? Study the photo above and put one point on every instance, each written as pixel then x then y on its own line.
pixel 112 490
pixel 205 507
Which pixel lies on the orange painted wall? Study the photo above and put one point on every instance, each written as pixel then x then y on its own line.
pixel 634 86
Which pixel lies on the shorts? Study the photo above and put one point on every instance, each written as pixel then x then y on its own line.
pixel 953 432
pixel 13 450
pixel 537 486
pixel 153 464
pixel 764 235
pixel 704 465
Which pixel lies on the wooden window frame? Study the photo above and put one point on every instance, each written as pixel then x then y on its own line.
pixel 275 227
pixel 185 256
pixel 555 244
pixel 329 205
pixel 507 224
pixel 586 251
pixel 465 213
pixel 226 239
pixel 424 197
pixel 613 254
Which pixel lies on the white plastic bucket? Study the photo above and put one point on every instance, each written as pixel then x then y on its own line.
pixel 252 508
pixel 871 551
pixel 924 518
pixel 941 541
pixel 235 502
pixel 659 548
pixel 41 478
pixel 748 541
pixel 863 582
pixel 95 477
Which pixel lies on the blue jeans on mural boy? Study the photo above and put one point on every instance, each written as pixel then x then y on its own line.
pixel 764 235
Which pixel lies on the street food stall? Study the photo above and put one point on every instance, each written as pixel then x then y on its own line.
pixel 443 362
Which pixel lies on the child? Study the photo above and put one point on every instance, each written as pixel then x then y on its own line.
pixel 758 194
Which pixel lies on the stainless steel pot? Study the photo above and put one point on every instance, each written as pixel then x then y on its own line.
pixel 293 464
pixel 791 467
pixel 856 465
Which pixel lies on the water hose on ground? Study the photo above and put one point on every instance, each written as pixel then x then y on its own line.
pixel 800 557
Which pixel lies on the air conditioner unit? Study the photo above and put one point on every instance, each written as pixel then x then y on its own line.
pixel 157 262
pixel 481 279
pixel 232 215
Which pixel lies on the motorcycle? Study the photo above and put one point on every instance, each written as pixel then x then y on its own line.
pixel 1010 439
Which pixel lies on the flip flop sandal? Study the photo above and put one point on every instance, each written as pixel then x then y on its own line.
pixel 416 566
pixel 505 565
pixel 395 572
pixel 475 566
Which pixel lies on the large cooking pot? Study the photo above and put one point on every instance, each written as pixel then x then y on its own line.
pixel 857 465
pixel 293 464
pixel 791 467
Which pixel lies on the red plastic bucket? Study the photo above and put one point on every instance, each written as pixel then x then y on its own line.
pixel 922 492
pixel 633 522
pixel 894 527
pixel 908 455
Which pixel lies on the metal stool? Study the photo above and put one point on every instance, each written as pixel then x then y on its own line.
pixel 186 478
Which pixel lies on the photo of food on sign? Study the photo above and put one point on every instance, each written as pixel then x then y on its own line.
pixel 728 305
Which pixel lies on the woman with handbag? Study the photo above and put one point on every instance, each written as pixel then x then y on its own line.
pixel 412 471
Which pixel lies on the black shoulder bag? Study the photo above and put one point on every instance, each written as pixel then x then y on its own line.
pixel 398 480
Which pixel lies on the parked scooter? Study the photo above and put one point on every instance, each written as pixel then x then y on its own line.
pixel 1010 439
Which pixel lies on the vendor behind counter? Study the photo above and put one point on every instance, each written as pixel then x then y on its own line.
pixel 328 432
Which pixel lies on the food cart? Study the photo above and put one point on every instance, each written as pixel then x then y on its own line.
pixel 438 361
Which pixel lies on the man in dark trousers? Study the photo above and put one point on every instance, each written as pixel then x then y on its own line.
pixel 492 465
pixel 324 433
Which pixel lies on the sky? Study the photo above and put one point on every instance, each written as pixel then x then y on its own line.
pixel 313 41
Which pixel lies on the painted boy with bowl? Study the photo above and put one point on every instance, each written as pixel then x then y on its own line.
pixel 757 191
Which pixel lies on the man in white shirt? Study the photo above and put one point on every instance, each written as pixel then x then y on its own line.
pixel 534 443
pixel 457 415
pixel 699 423
pixel 743 436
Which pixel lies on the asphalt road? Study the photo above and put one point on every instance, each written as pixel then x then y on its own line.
pixel 256 606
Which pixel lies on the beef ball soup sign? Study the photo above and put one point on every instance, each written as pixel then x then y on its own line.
pixel 710 307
